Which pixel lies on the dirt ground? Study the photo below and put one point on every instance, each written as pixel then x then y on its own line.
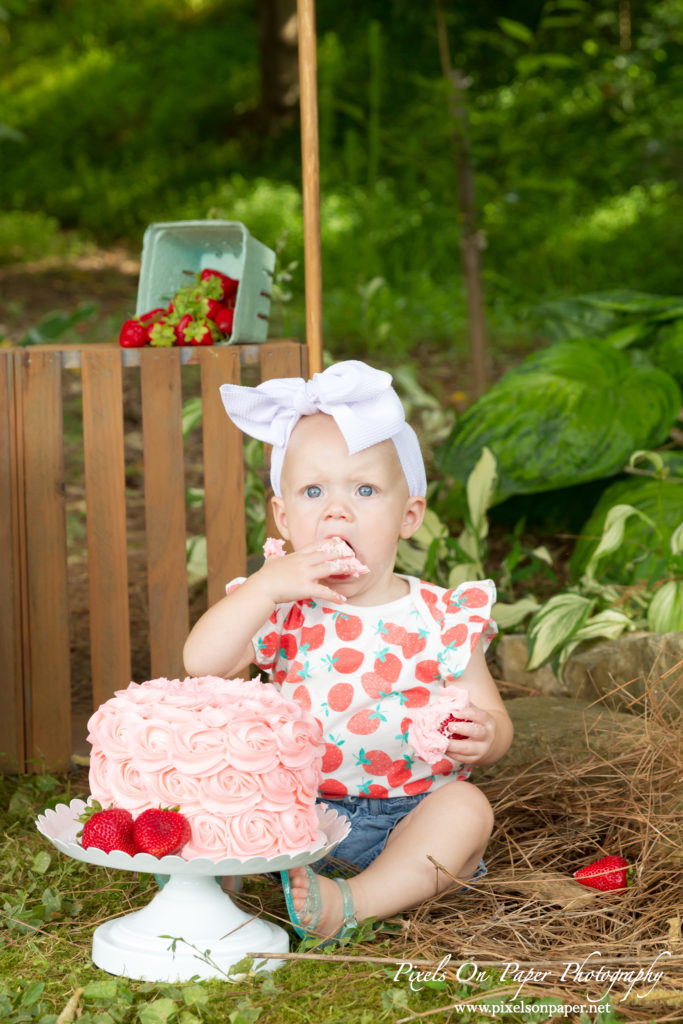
pixel 107 278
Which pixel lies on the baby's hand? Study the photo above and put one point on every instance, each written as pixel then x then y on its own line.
pixel 479 731
pixel 297 577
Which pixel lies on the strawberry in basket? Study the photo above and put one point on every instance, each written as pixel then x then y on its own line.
pixel 200 313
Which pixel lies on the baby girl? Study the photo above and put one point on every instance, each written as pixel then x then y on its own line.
pixel 363 651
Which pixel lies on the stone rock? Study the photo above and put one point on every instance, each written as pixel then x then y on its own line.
pixel 563 729
pixel 620 673
pixel 625 671
pixel 512 656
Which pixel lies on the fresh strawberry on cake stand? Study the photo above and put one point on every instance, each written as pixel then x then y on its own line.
pixel 191 928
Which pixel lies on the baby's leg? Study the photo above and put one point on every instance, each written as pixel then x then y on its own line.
pixel 452 825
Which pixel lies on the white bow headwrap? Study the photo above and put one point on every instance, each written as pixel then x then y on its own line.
pixel 361 400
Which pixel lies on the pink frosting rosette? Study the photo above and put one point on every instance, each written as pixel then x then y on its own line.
pixel 307 782
pixel 424 733
pixel 150 741
pixel 196 749
pixel 109 729
pixel 277 789
pixel 254 833
pixel 299 741
pixel 298 828
pixel 215 718
pixel 143 693
pixel 251 745
pixel 210 837
pixel 171 788
pixel 99 778
pixel 128 787
pixel 229 791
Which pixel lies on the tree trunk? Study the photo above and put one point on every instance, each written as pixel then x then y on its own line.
pixel 470 238
pixel 278 46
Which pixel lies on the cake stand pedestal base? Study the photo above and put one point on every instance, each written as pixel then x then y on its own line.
pixel 212 935
pixel 191 928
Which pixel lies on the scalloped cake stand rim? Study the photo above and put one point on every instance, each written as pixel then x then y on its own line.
pixel 190 928
pixel 60 826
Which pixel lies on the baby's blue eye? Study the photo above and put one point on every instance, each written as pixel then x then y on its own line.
pixel 313 491
pixel 366 490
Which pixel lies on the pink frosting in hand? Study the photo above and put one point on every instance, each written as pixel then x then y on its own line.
pixel 424 733
pixel 273 548
pixel 241 762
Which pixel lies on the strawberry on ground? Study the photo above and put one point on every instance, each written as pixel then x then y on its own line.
pixel 606 874
pixel 161 832
pixel 108 830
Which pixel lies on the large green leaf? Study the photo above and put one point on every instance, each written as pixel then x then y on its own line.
pixel 665 614
pixel 667 350
pixel 568 414
pixel 604 313
pixel 643 553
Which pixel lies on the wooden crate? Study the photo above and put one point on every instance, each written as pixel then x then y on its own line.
pixel 35 696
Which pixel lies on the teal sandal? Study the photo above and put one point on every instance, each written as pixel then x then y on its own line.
pixel 313 908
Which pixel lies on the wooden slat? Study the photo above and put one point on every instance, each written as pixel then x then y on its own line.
pixel 12 749
pixel 280 359
pixel 106 521
pixel 223 474
pixel 164 509
pixel 47 668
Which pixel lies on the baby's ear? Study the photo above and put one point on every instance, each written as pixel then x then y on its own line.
pixel 280 516
pixel 413 515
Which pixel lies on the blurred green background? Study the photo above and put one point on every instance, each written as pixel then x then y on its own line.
pixel 118 114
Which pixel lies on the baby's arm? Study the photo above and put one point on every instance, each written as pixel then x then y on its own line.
pixel 489 731
pixel 220 642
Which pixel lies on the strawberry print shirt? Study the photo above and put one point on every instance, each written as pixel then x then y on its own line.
pixel 360 670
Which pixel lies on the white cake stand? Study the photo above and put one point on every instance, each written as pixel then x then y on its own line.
pixel 212 933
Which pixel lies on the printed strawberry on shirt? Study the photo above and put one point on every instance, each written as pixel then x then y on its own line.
pixel 361 671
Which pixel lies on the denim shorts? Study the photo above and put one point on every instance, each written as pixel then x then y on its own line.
pixel 372 821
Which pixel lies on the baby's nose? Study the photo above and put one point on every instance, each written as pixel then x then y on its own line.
pixel 337 509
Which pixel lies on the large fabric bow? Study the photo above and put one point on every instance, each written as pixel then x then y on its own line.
pixel 361 400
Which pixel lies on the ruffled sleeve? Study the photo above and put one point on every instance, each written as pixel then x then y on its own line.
pixel 234 584
pixel 463 616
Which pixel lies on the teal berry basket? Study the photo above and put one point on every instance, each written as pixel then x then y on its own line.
pixel 174 251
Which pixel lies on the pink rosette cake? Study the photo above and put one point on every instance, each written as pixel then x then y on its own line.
pixel 240 761
pixel 426 734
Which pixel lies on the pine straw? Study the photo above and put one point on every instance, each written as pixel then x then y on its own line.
pixel 553 815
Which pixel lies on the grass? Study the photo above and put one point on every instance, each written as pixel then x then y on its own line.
pixel 52 904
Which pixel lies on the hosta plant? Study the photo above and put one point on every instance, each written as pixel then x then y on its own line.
pixel 433 554
pixel 596 607
pixel 568 414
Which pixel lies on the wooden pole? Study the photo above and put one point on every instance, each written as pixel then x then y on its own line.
pixel 310 164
